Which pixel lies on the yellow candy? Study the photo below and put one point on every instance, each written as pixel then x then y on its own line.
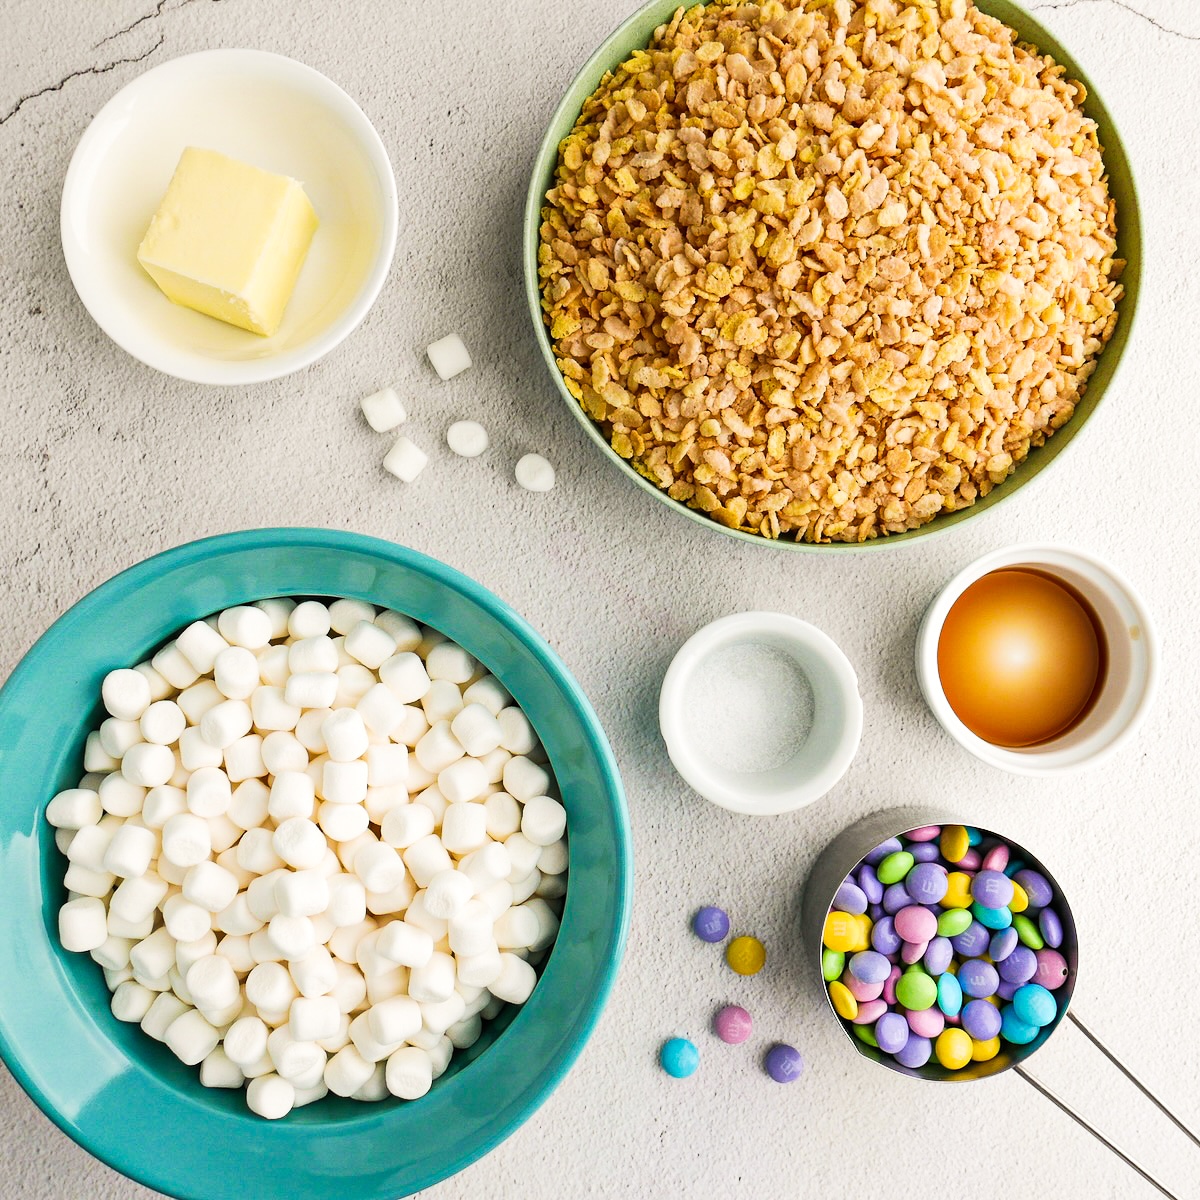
pixel 954 842
pixel 843 999
pixel 958 893
pixel 985 1051
pixel 844 932
pixel 953 1049
pixel 1020 900
pixel 746 955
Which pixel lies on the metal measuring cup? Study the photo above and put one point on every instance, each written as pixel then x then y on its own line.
pixel 846 851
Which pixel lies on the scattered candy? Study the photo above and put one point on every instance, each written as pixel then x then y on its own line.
pixel 468 439
pixel 943 946
pixel 679 1058
pixel 733 1024
pixel 783 1063
pixel 711 924
pixel 406 461
pixel 383 410
pixel 448 356
pixel 746 955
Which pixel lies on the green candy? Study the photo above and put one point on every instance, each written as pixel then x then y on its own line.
pixel 865 1033
pixel 1027 931
pixel 954 921
pixel 895 867
pixel 915 990
pixel 833 963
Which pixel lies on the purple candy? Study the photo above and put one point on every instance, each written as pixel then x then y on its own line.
pixel 1051 928
pixel 896 898
pixel 992 889
pixel 869 882
pixel 973 940
pixel 850 898
pixel 891 1032
pixel 875 911
pixel 1006 990
pixel 870 966
pixel 927 882
pixel 915 1053
pixel 978 978
pixel 882 851
pixel 710 924
pixel 925 852
pixel 1003 943
pixel 981 1020
pixel 783 1063
pixel 1051 970
pixel 1036 886
pixel 1019 966
pixel 938 955
pixel 884 937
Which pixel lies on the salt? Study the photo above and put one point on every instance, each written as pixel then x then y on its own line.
pixel 750 708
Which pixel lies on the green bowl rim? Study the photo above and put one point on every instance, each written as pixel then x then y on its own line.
pixel 1129 234
pixel 291 537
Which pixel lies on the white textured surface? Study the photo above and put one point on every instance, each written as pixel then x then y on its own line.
pixel 103 462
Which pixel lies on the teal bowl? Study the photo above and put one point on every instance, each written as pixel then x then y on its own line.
pixel 635 34
pixel 124 1097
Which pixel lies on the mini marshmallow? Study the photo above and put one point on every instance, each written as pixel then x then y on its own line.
pixel 534 473
pixel 380 709
pixel 405 944
pixel 468 439
pixel 244 760
pixel 394 1020
pixel 365 1042
pixel 300 843
pixel 344 782
pixel 387 766
pixel 394 900
pixel 437 1018
pixel 548 923
pixel 163 723
pixel 443 701
pixel 405 676
pixel 494 763
pixel 470 930
pixel 524 779
pixel 518 736
pixel 256 851
pixel 350 989
pixel 370 645
pixel 131 1002
pixel 113 955
pixel 345 735
pixel 446 894
pixel 270 988
pixel 347 900
pixel 272 666
pixel 464 825
pixel 208 792
pixel 522 889
pixel 224 723
pixel 412 728
pixel 315 1018
pixel 160 689
pixel 200 644
pixel 95 757
pixel 523 855
pixel 249 804
pixel 409 1073
pixel 245 625
pixel 354 682
pixel 131 851
pixel 191 1038
pixel 210 886
pixel 465 1032
pixel 488 692
pixel 476 729
pixel 407 824
pixel 310 618
pixel 74 808
pixel 196 700
pixel 117 736
pixel 379 867
pixel 136 899
pixel 291 937
pixel 90 845
pixel 480 970
pixel 405 460
pixel 223 833
pixel 383 410
pixel 270 1097
pixel 279 610
pixel 83 882
pixel 434 981
pixel 126 694
pixel 463 781
pixel 236 919
pixel 315 654
pixel 425 858
pixel 406 633
pixel 273 708
pixel 517 929
pixel 347 1071
pixel 418 915
pixel 311 689
pixel 448 356
pixel 213 982
pixel 440 1055
pixel 187 954
pixel 345 613
pixel 82 924
pixel 543 820
pixel 236 673
pixel 166 1009
pixel 282 751
pixel 550 887
pixel 516 980
pixel 291 795
pixel 217 1071
pixel 195 752
pixel 120 797
pixel 314 974
pixel 185 920
pixel 438 748
pixel 147 765
pixel 342 822
pixel 153 956
pixel 503 815
pixel 246 1040
pixel 301 894
pixel 172 664
pixel 425 1039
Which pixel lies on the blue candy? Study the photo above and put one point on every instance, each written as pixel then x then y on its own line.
pixel 679 1058
pixel 992 918
pixel 1034 1005
pixel 1014 1030
pixel 949 995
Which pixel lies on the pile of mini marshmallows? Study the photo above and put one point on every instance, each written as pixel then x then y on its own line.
pixel 385 411
pixel 944 946
pixel 314 850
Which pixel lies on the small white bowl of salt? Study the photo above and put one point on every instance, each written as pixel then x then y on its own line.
pixel 760 712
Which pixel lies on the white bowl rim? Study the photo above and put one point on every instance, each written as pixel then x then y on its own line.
pixel 1049 555
pixel 742 627
pixel 245 371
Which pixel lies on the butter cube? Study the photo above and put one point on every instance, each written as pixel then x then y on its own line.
pixel 229 240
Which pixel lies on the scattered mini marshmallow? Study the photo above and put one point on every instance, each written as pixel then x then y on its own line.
pixel 468 439
pixel 406 460
pixel 383 409
pixel 448 356
pixel 534 473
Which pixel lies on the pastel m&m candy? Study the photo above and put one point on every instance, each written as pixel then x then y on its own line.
pixel 953 1049
pixel 733 1024
pixel 746 955
pixel 711 924
pixel 783 1063
pixel 679 1058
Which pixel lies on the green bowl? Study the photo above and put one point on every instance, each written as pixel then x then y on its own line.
pixel 124 1097
pixel 635 34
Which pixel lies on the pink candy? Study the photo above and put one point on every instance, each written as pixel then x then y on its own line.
pixel 913 952
pixel 862 991
pixel 889 986
pixel 1051 970
pixel 928 1023
pixel 971 861
pixel 870 1012
pixel 926 833
pixel 915 925
pixel 996 859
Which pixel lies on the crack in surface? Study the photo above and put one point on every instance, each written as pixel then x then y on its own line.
pixel 1058 5
pixel 58 87
pixel 158 11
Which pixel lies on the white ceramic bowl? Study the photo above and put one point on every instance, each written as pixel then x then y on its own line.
pixel 825 754
pixel 267 110
pixel 1129 684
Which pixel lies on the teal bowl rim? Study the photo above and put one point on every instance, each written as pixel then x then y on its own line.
pixel 634 33
pixel 155 1170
